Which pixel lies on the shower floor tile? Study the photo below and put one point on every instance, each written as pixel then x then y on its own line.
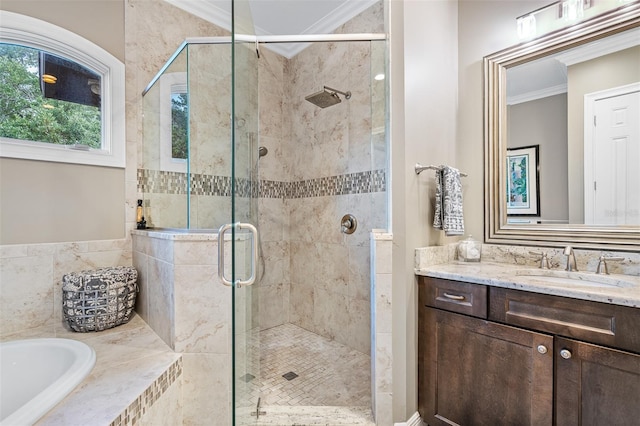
pixel 328 373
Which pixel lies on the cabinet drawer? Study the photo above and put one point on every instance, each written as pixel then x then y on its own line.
pixel 454 296
pixel 594 322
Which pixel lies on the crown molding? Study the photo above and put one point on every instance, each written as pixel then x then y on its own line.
pixel 601 47
pixel 325 25
pixel 537 94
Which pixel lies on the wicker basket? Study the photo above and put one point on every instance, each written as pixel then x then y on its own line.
pixel 99 299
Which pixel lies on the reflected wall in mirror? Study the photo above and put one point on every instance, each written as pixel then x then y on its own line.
pixel 576 94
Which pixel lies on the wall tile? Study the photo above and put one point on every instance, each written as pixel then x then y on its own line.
pixel 202 310
pixel 141 263
pixel 198 253
pixel 213 373
pixel 26 299
pixel 161 300
pixel 274 305
pixel 383 292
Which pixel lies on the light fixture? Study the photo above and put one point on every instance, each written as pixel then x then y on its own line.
pixel 94 86
pixel 571 10
pixel 561 14
pixel 526 26
pixel 379 77
pixel 49 79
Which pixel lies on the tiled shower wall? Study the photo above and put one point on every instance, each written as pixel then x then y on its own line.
pixel 315 276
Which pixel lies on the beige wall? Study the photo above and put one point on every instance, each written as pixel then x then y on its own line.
pixel 45 202
pixel 609 71
pixel 423 54
pixel 100 21
pixel 50 202
pixel 525 130
pixel 436 99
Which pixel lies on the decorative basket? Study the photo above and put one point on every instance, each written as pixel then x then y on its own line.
pixel 99 299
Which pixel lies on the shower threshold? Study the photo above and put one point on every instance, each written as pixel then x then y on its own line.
pixel 314 415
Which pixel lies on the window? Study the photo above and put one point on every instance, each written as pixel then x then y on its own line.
pixel 62 96
pixel 174 122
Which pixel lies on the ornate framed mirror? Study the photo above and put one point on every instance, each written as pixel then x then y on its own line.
pixel 546 92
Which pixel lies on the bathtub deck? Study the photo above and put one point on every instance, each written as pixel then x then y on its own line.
pixel 133 368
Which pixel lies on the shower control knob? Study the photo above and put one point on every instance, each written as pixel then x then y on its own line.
pixel 348 224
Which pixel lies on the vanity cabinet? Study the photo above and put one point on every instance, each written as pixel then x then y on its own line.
pixel 525 359
pixel 475 372
pixel 596 385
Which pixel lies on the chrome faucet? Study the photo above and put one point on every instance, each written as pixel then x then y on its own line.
pixel 544 259
pixel 602 263
pixel 568 251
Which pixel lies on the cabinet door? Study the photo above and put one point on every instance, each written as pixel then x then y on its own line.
pixel 474 372
pixel 596 385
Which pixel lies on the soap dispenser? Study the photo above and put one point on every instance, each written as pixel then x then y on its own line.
pixel 469 250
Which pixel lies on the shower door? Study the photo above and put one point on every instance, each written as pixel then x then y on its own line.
pixel 245 276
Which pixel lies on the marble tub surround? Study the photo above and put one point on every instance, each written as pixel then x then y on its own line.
pixel 136 380
pixel 31 277
pixel 509 276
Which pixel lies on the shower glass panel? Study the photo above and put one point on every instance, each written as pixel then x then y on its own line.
pixel 244 155
pixel 164 173
pixel 186 172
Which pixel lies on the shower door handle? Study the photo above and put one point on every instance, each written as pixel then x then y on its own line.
pixel 254 254
pixel 224 228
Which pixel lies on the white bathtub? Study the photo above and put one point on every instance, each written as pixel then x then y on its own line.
pixel 37 374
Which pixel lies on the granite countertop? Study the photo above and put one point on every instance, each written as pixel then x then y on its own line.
pixel 616 289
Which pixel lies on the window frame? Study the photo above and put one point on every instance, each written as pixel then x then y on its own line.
pixel 31 32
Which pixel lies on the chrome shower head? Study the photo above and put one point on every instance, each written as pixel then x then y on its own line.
pixel 262 151
pixel 327 97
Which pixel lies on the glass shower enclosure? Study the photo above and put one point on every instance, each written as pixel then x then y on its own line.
pixel 199 173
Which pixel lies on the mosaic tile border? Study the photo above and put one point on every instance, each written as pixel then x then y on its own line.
pixel 161 182
pixel 138 408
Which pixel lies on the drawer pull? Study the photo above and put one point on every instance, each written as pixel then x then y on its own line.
pixel 565 353
pixel 453 296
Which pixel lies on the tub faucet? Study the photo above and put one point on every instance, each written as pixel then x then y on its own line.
pixel 568 251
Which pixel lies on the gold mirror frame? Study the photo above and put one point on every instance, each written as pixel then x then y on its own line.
pixel 497 230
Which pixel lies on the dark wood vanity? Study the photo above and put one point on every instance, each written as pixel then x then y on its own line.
pixel 497 356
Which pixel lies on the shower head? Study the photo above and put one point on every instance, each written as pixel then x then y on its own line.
pixel 262 151
pixel 327 97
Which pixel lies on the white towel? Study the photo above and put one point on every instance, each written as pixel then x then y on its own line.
pixel 448 212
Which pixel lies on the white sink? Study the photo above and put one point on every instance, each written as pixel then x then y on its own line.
pixel 576 278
